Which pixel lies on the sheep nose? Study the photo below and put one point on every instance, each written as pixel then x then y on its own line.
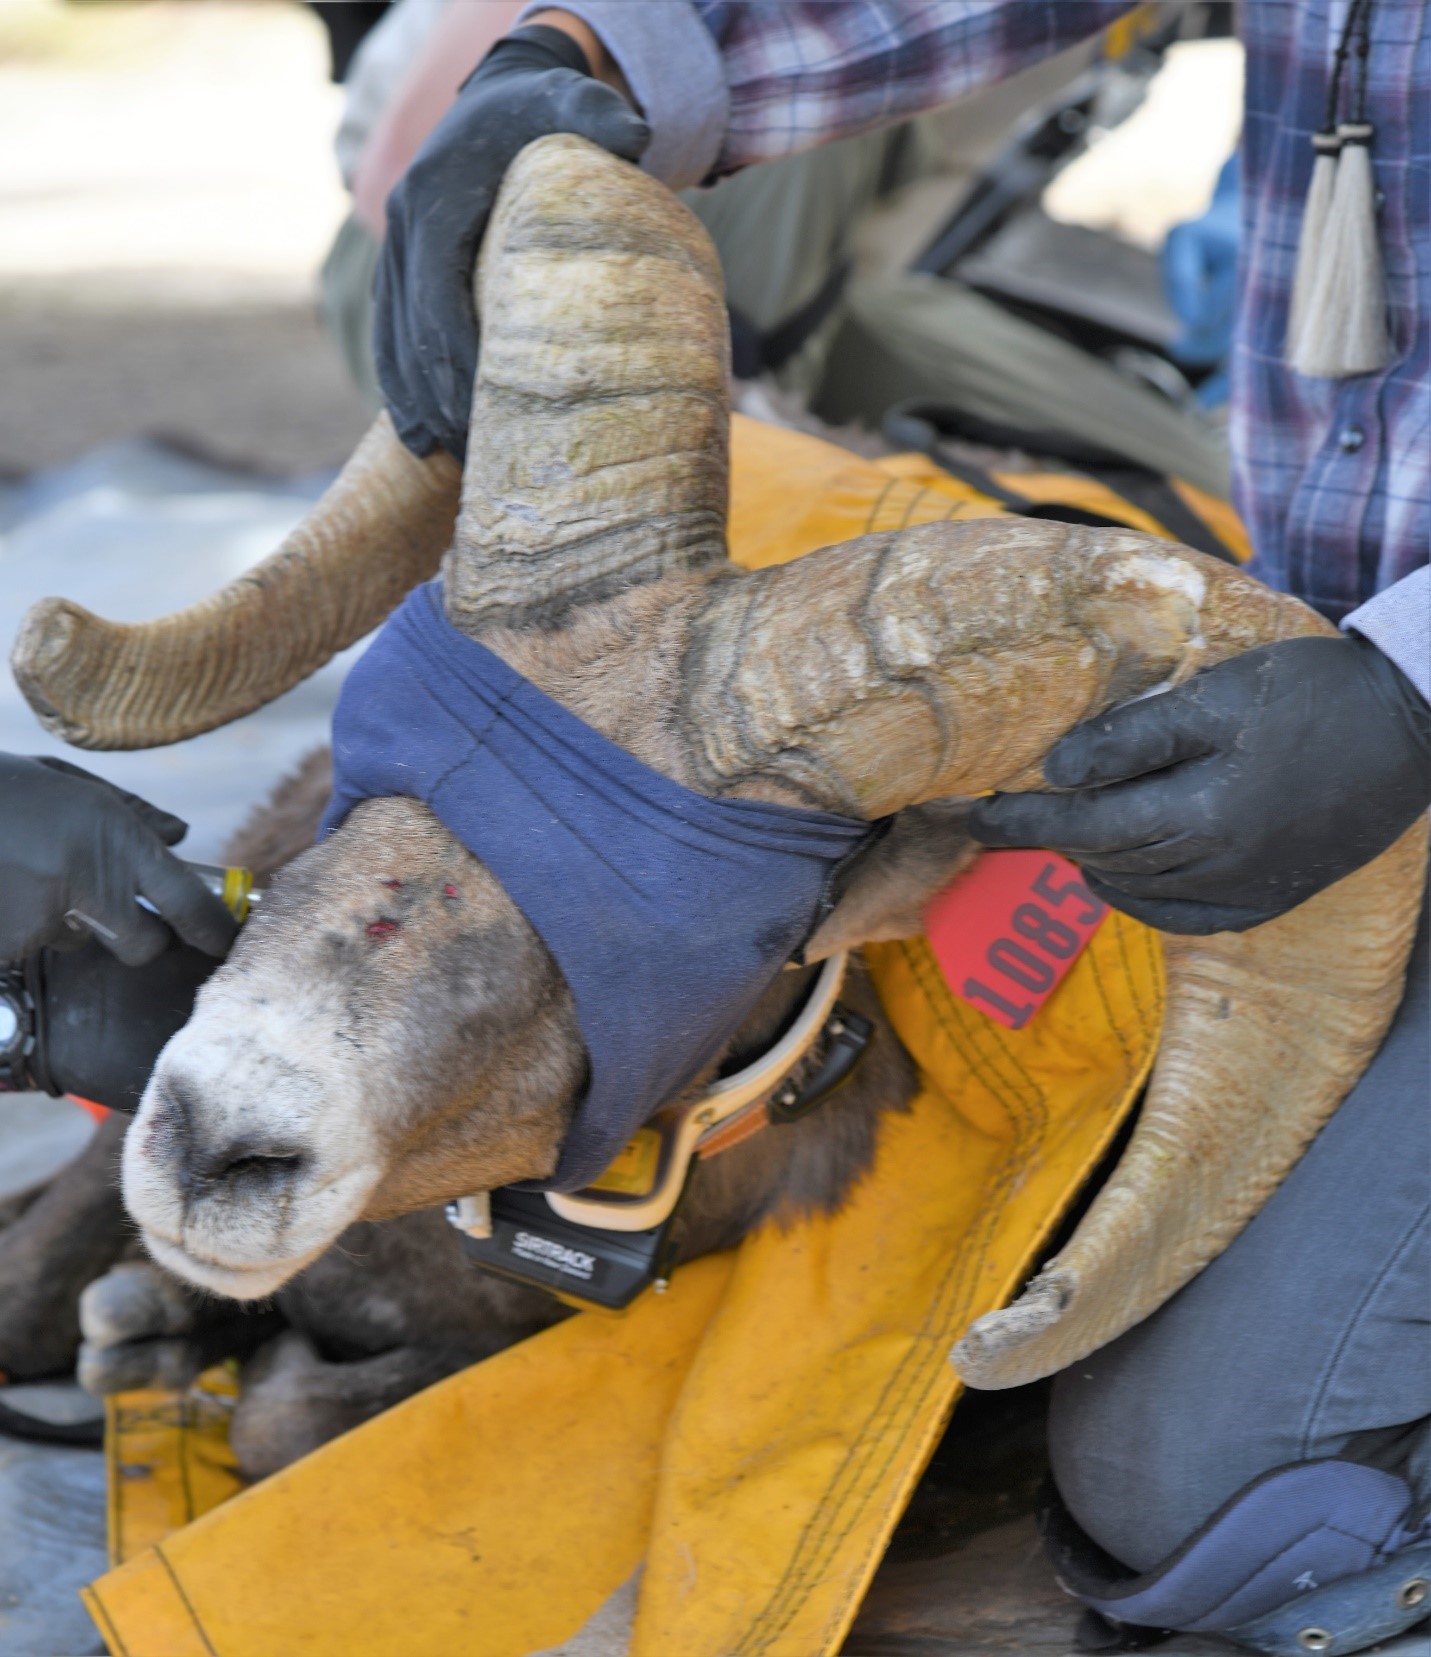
pixel 259 1171
pixel 256 1164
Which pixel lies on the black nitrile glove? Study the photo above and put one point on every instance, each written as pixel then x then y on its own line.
pixel 74 845
pixel 1230 800
pixel 532 83
pixel 99 1025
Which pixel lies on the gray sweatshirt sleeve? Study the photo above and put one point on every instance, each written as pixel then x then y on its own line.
pixel 1398 623
pixel 675 73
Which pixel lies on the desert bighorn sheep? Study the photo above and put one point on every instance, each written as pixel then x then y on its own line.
pixel 340 1067
pixel 389 1308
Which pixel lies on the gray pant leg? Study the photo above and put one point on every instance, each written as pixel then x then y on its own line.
pixel 1310 1337
pixel 781 228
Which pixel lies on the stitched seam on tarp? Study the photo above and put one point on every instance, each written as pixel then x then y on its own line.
pixel 114 1506
pixel 958 1034
pixel 951 1325
pixel 187 1420
pixel 184 1598
pixel 955 1319
pixel 101 1614
pixel 1096 974
pixel 1152 951
pixel 897 1405
pixel 877 507
pixel 914 501
pixel 937 998
pixel 900 1400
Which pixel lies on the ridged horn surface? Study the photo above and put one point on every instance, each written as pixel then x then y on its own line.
pixel 379 529
pixel 1265 1034
pixel 947 659
pixel 600 422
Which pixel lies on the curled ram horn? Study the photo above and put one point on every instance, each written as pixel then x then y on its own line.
pixel 567 496
pixel 598 451
pixel 379 529
pixel 1265 1033
pixel 947 660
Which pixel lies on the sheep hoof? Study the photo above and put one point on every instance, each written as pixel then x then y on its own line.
pixel 167 1365
pixel 135 1301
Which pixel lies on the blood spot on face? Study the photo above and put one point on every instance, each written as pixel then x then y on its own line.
pixel 450 891
pixel 393 885
pixel 381 928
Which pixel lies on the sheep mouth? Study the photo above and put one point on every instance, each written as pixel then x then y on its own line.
pixel 234 1280
pixel 246 1255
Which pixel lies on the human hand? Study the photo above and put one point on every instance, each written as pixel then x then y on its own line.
pixel 1229 800
pixel 72 844
pixel 100 1026
pixel 533 83
pixel 458 40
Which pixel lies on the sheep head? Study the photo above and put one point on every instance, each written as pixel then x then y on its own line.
pixel 388 1033
pixel 391 1031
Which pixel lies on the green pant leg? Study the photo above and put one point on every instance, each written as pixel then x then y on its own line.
pixel 781 229
pixel 345 300
pixel 922 337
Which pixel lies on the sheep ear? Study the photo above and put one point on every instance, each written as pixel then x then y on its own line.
pixel 890 884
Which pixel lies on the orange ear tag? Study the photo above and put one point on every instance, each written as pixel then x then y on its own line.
pixel 1006 933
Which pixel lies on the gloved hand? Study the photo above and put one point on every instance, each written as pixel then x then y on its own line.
pixel 532 83
pixel 99 1025
pixel 71 842
pixel 1233 798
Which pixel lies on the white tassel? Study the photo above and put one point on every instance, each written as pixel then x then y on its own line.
pixel 1342 328
pixel 1312 246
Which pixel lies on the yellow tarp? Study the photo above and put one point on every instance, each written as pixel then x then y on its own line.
pixel 167 1460
pixel 791 493
pixel 747 1441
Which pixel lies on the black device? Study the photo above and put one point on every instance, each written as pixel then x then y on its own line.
pixel 595 1265
pixel 580 1264
pixel 79 1021
pixel 17 1032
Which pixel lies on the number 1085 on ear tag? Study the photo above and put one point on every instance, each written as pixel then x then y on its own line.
pixel 1006 933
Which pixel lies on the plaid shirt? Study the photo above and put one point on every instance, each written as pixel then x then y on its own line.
pixel 1333 477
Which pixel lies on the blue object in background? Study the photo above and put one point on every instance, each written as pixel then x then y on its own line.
pixel 1200 280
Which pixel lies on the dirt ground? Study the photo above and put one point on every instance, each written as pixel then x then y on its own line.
pixel 252 384
pixel 167 192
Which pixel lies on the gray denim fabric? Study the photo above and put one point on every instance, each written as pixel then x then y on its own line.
pixel 1309 1337
pixel 1398 623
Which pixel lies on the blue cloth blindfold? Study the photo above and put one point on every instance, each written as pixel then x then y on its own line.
pixel 668 913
